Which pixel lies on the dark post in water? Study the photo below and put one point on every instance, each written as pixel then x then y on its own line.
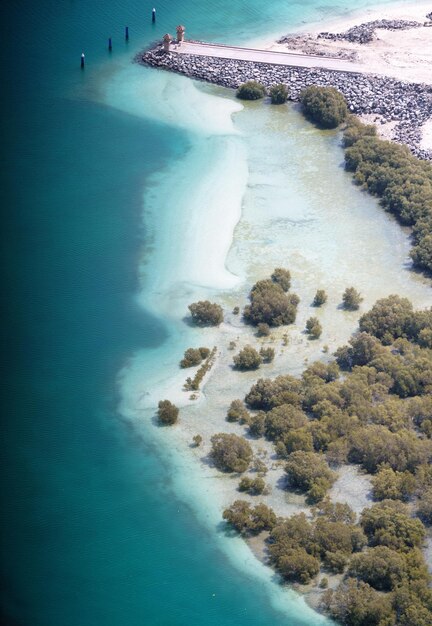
pixel 110 44
pixel 127 33
pixel 154 16
pixel 82 60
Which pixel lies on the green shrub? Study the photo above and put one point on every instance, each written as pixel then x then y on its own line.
pixel 278 93
pixel 247 359
pixel 270 304
pixel 313 328
pixel 267 354
pixel 310 473
pixel 249 520
pixel 266 394
pixel 238 412
pixel 253 486
pixel 325 106
pixel 194 356
pixel 351 299
pixel 335 562
pixel 257 425
pixel 320 298
pixel 205 313
pixel 389 524
pixel 167 412
pixel 424 507
pixel 297 565
pixel 388 317
pixel 380 567
pixel 390 485
pixel 197 439
pixel 355 603
pixel 251 90
pixel 230 452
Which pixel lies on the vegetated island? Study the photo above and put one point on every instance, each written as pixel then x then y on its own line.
pixel 370 406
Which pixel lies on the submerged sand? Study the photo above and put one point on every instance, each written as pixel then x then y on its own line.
pixel 280 197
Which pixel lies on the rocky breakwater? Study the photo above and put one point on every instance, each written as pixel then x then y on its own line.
pixel 365 33
pixel 408 104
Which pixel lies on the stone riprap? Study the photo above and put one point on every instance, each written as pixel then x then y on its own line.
pixel 409 104
pixel 365 33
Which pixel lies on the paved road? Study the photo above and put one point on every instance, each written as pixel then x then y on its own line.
pixel 266 56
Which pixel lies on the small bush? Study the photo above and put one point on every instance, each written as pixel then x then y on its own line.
pixel 230 452
pixel 251 90
pixel 247 359
pixel 205 313
pixel 167 412
pixel 320 298
pixel 351 299
pixel 278 93
pixel 310 473
pixel 238 412
pixel 248 520
pixel 313 328
pixel 192 357
pixel 197 439
pixel 267 355
pixel 325 106
pixel 253 486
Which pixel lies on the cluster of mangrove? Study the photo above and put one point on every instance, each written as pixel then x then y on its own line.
pixel 206 313
pixel 254 90
pixel 402 182
pixel 270 302
pixel 325 106
pixel 250 359
pixel 192 384
pixel 167 413
pixel 194 356
pixel 371 406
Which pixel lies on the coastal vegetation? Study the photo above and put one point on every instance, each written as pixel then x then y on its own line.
pixel 194 356
pixel 251 90
pixel 278 93
pixel 320 298
pixel 313 328
pixel 193 384
pixel 206 313
pixel 237 412
pixel 371 406
pixel 247 359
pixel 167 412
pixel 253 486
pixel 401 181
pixel 249 520
pixel 230 453
pixel 270 303
pixel 325 106
pixel 351 299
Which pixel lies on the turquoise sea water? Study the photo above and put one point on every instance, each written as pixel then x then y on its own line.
pixel 91 530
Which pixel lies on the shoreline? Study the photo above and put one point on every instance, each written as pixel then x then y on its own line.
pixel 402 109
pixel 180 437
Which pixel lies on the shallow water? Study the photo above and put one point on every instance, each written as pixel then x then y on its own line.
pixel 93 529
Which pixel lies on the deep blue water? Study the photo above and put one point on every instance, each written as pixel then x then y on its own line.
pixel 91 533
